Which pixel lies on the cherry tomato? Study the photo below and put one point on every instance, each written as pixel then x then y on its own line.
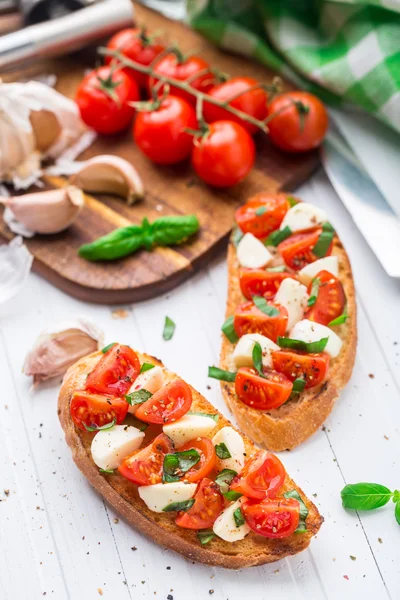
pixel 95 410
pixel 262 393
pixel 225 155
pixel 208 458
pixel 169 404
pixel 161 134
pixel 273 517
pixel 115 372
pixel 297 250
pixel 262 214
pixel 257 282
pixel 297 365
pixel 331 299
pixel 103 97
pixel 208 504
pixel 253 102
pixel 262 477
pixel 248 318
pixel 300 124
pixel 136 45
pixel 145 467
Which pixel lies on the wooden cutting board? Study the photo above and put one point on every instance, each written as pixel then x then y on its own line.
pixel 169 191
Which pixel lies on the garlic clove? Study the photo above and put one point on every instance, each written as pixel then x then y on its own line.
pixel 46 212
pixel 46 129
pixel 56 349
pixel 110 174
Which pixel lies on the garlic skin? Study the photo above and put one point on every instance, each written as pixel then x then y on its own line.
pixel 109 174
pixel 46 212
pixel 56 349
pixel 15 265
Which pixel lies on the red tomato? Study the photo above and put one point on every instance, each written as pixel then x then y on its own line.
pixel 252 102
pixel 95 410
pixel 312 368
pixel 169 404
pixel 262 393
pixel 300 124
pixel 136 45
pixel 208 504
pixel 273 517
pixel 262 477
pixel 262 214
pixel 103 97
pixel 248 318
pixel 145 467
pixel 297 250
pixel 257 282
pixel 115 372
pixel 161 134
pixel 208 458
pixel 331 299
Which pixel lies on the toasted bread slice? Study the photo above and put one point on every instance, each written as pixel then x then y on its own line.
pixel 289 425
pixel 160 527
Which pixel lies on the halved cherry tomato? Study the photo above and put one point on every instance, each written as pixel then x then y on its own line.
pixel 262 214
pixel 257 282
pixel 262 477
pixel 253 102
pixel 96 410
pixel 169 404
pixel 145 467
pixel 208 458
pixel 115 372
pixel 262 393
pixel 273 517
pixel 297 250
pixel 250 319
pixel 331 299
pixel 310 367
pixel 208 504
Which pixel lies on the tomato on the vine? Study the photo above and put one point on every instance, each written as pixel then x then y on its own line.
pixel 273 517
pixel 265 392
pixel 262 214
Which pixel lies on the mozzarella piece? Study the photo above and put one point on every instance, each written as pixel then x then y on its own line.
pixel 188 428
pixel 158 496
pixel 151 380
pixel 243 353
pixel 252 253
pixel 308 331
pixel 293 296
pixel 328 263
pixel 225 526
pixel 303 216
pixel 110 446
pixel 235 444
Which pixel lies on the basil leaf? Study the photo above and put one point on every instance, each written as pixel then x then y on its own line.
pixel 107 348
pixel 176 464
pixel 237 235
pixel 310 347
pixel 365 496
pixel 169 329
pixel 220 374
pixel 257 359
pixel 327 227
pixel 261 210
pixel 117 244
pixel 224 479
pixel 292 201
pixel 146 367
pixel 238 516
pixel 109 471
pixel 138 397
pixel 229 330
pixel 205 536
pixel 222 451
pixel 277 269
pixel 397 511
pixel 231 495
pixel 341 319
pixel 396 496
pixel 172 230
pixel 303 510
pixel 170 465
pixel 323 243
pixel 276 237
pixel 187 459
pixel 316 282
pixel 298 385
pixel 201 414
pixel 176 506
pixel 262 305
pixel 102 428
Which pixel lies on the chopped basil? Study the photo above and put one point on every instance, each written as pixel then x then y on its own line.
pixel 262 305
pixel 324 241
pixel 176 506
pixel 237 235
pixel 169 329
pixel 310 347
pixel 261 210
pixel 231 495
pixel 205 536
pixel 341 319
pixel 327 227
pixel 229 330
pixel 138 397
pixel 316 282
pixel 397 511
pixel 224 479
pixel 146 367
pixel 277 269
pixel 238 516
pixel 365 496
pixel 276 237
pixel 292 201
pixel 201 414
pixel 222 451
pixel 257 359
pixel 107 348
pixel 94 427
pixel 109 471
pixel 178 463
pixel 301 527
pixel 298 385
pixel 220 374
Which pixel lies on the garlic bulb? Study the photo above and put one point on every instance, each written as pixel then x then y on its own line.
pixel 58 348
pixel 15 266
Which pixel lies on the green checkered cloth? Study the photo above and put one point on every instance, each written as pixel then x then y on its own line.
pixel 341 50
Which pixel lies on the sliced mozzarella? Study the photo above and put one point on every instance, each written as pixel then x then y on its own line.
pixel 225 526
pixel 158 496
pixel 303 216
pixel 252 253
pixel 188 428
pixel 151 380
pixel 293 296
pixel 235 444
pixel 243 353
pixel 308 331
pixel 111 446
pixel 328 263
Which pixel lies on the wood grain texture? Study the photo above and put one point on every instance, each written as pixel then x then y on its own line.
pixel 169 191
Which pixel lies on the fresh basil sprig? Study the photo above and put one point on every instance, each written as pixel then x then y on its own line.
pixel 169 329
pixel 175 465
pixel 216 373
pixel 229 330
pixel 262 305
pixel 176 506
pixel 94 427
pixel 146 367
pixel 239 518
pixel 303 510
pixel 310 347
pixel 138 397
pixel 222 451
pixel 367 496
pixel 278 236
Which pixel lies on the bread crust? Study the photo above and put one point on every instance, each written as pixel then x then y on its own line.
pixel 123 497
pixel 295 421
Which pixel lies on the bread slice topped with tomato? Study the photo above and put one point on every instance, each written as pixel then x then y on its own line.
pixel 290 337
pixel 175 468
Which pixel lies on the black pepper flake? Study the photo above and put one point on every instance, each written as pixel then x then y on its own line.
pixel 168 568
pixel 133 548
pixel 211 592
pixel 170 597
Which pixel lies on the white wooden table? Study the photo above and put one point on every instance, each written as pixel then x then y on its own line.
pixel 60 540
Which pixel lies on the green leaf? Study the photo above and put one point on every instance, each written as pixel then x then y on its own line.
pixel 224 479
pixel 396 496
pixel 257 359
pixel 169 329
pixel 237 235
pixel 102 428
pixel 262 305
pixel 107 348
pixel 292 201
pixel 229 330
pixel 108 471
pixel 238 516
pixel 311 347
pixel 261 210
pixel 298 385
pixel 278 269
pixel 172 230
pixel 327 227
pixel 324 241
pixel 146 367
pixel 176 506
pixel 316 282
pixel 278 236
pixel 397 511
pixel 222 451
pixel 215 417
pixel 365 496
pixel 205 536
pixel 117 244
pixel 178 463
pixel 216 373
pixel 303 510
pixel 341 319
pixel 231 495
pixel 138 397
